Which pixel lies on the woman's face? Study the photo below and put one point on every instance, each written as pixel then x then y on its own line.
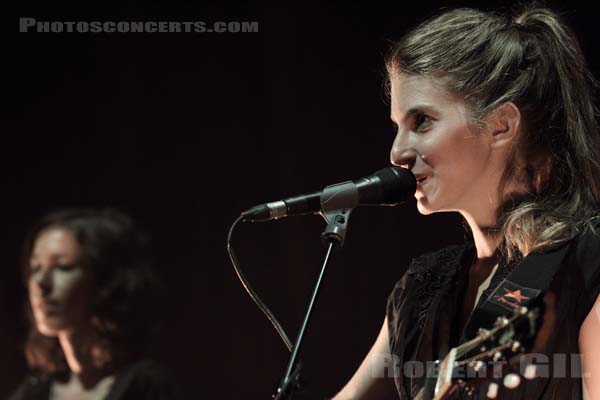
pixel 449 157
pixel 60 287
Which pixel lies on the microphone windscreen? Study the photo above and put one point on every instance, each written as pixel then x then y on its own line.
pixel 399 184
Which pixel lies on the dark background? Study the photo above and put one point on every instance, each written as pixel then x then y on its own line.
pixel 185 130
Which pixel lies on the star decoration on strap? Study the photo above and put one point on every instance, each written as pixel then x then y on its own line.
pixel 515 294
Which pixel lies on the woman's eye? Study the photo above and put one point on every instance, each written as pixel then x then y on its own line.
pixel 65 267
pixel 422 122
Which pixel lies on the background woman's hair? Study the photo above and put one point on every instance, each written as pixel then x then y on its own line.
pixel 533 60
pixel 126 287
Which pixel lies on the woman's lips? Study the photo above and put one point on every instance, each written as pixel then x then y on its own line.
pixel 46 307
pixel 422 181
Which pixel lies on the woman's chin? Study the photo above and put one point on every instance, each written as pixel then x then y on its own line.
pixel 50 328
pixel 424 207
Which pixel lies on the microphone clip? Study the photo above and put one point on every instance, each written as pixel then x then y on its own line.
pixel 337 202
pixel 337 226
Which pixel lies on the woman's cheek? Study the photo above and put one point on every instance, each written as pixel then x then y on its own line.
pixel 71 288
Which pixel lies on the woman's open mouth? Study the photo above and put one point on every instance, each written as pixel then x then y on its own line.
pixel 422 180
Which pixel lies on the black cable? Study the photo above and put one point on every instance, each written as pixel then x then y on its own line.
pixel 251 291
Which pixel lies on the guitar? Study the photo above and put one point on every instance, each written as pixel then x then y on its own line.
pixel 503 347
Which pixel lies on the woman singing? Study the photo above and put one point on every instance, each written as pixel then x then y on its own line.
pixel 90 287
pixel 495 117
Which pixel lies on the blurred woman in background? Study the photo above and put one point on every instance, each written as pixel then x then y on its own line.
pixel 90 288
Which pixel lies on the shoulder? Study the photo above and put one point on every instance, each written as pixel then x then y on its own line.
pixel 148 369
pixel 34 386
pixel 587 256
pixel 145 379
pixel 588 243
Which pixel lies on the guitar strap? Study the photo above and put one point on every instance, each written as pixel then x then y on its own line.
pixel 531 276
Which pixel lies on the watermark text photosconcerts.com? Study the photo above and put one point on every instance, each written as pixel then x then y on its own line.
pixel 27 25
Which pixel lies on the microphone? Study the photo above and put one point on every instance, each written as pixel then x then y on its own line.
pixel 386 187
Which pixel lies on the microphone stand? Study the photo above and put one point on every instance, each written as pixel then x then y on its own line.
pixel 333 236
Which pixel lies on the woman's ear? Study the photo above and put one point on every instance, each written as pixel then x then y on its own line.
pixel 503 125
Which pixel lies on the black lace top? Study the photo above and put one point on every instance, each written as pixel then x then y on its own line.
pixel 424 307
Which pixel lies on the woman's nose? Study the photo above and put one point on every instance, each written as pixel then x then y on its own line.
pixel 43 280
pixel 401 155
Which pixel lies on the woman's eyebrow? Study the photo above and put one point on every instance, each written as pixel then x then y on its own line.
pixel 417 109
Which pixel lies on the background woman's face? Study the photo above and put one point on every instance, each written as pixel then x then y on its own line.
pixel 434 139
pixel 60 287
